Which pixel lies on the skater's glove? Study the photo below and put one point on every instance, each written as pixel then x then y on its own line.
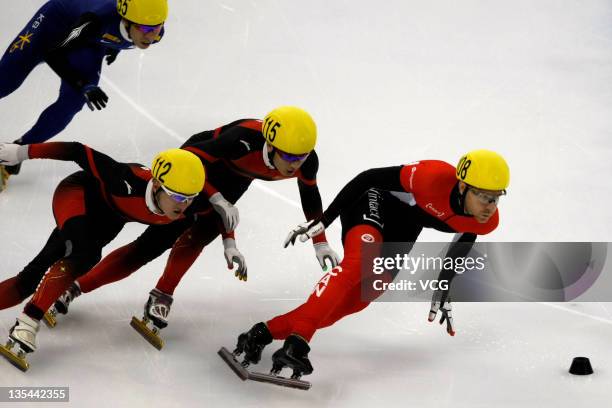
pixel 441 302
pixel 324 253
pixel 228 212
pixel 233 255
pixel 95 97
pixel 12 154
pixel 111 56
pixel 304 231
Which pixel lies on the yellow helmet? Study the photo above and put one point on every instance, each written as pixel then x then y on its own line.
pixel 290 129
pixel 484 169
pixel 179 171
pixel 145 12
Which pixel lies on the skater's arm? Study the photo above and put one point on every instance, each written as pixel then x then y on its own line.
pixel 384 178
pixel 441 299
pixel 88 27
pixel 309 192
pixel 458 249
pixel 101 166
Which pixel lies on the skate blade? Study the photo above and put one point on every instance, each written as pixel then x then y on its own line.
pixel 231 361
pixel 14 359
pixel 147 333
pixel 50 319
pixel 4 176
pixel 245 374
pixel 277 380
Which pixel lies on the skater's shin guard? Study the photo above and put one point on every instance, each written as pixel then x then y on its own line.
pixel 336 294
pixel 55 282
pixel 117 265
pixel 9 293
pixel 184 253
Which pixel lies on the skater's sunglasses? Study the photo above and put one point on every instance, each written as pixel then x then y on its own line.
pixel 292 157
pixel 146 29
pixel 485 197
pixel 177 197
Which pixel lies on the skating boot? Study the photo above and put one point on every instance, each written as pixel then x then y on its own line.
pixel 294 355
pixel 252 343
pixel 61 304
pixel 13 170
pixel 155 318
pixel 22 336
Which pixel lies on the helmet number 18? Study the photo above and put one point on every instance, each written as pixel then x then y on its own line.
pixel 269 129
pixel 463 167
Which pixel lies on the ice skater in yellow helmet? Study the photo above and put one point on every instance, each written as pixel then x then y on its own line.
pixel 388 204
pixel 90 208
pixel 74 37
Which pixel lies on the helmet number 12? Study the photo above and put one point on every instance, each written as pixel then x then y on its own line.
pixel 269 129
pixel 160 169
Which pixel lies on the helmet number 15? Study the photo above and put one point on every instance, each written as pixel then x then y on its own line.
pixel 122 7
pixel 269 129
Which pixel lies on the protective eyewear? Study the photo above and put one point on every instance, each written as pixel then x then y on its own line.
pixel 292 157
pixel 177 197
pixel 146 29
pixel 487 198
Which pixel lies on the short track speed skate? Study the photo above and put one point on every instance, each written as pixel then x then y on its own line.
pixel 148 331
pixel 155 317
pixel 245 374
pixel 252 344
pixel 22 340
pixel 4 176
pixel 50 318
pixel 18 359
pixel 61 305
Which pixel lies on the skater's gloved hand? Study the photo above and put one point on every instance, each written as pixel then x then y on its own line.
pixel 324 253
pixel 227 211
pixel 233 255
pixel 12 154
pixel 111 56
pixel 304 231
pixel 96 98
pixel 442 302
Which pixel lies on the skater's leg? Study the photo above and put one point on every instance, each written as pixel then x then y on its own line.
pixel 124 261
pixel 9 294
pixel 70 101
pixel 28 47
pixel 362 223
pixel 85 236
pixel 330 292
pixel 186 250
pixel 56 116
pixel 16 289
pixel 85 230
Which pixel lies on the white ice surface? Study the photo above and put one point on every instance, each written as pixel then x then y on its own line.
pixel 388 83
